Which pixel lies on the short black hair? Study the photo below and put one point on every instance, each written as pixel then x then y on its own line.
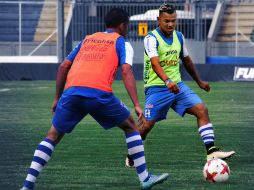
pixel 166 8
pixel 115 17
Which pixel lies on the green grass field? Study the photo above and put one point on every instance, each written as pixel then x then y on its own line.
pixel 91 158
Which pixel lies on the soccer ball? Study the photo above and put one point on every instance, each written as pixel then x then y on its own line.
pixel 216 170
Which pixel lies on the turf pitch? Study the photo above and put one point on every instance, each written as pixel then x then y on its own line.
pixel 91 158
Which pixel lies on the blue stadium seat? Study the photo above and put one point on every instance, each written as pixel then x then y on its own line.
pixel 9 21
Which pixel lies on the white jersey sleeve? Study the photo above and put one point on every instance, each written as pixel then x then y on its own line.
pixel 184 49
pixel 129 53
pixel 150 44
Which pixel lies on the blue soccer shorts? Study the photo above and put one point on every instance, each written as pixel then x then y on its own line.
pixel 159 100
pixel 71 109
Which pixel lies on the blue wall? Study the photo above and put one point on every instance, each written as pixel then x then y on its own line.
pixel 30 71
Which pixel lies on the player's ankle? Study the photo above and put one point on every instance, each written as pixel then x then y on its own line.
pixel 209 146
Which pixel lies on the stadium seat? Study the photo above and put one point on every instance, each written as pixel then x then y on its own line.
pixel 9 21
pixel 243 16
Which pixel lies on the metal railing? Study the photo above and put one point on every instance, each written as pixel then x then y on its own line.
pixel 19 23
pixel 88 17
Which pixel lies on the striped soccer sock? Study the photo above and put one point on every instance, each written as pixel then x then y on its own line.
pixel 136 152
pixel 207 134
pixel 41 156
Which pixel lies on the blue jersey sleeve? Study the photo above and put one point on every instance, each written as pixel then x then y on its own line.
pixel 74 52
pixel 120 49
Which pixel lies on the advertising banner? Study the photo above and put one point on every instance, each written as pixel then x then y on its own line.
pixel 244 74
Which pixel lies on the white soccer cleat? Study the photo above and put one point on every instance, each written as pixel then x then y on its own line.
pixel 24 188
pixel 154 180
pixel 215 152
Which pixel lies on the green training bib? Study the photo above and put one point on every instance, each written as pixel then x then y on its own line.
pixel 169 61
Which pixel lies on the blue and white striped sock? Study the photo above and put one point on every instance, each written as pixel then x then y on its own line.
pixel 136 152
pixel 207 133
pixel 41 156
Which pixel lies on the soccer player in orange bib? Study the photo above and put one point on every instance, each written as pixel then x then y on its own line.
pixel 84 86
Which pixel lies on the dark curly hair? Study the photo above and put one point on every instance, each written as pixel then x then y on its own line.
pixel 115 17
pixel 166 8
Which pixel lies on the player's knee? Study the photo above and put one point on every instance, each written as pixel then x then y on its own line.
pixel 202 111
pixel 54 135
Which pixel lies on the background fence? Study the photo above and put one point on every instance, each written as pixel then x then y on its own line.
pixel 31 27
pixel 88 17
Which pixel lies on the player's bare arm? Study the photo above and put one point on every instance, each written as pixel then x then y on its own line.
pixel 172 86
pixel 130 85
pixel 60 80
pixel 188 64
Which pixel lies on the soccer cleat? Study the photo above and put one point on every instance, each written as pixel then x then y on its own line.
pixel 129 163
pixel 215 152
pixel 24 188
pixel 153 180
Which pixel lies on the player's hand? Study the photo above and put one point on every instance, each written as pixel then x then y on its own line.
pixel 139 112
pixel 205 86
pixel 54 104
pixel 172 86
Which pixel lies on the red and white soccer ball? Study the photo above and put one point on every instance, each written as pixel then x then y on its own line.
pixel 216 170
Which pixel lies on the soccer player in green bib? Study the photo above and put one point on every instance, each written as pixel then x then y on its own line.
pixel 164 88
